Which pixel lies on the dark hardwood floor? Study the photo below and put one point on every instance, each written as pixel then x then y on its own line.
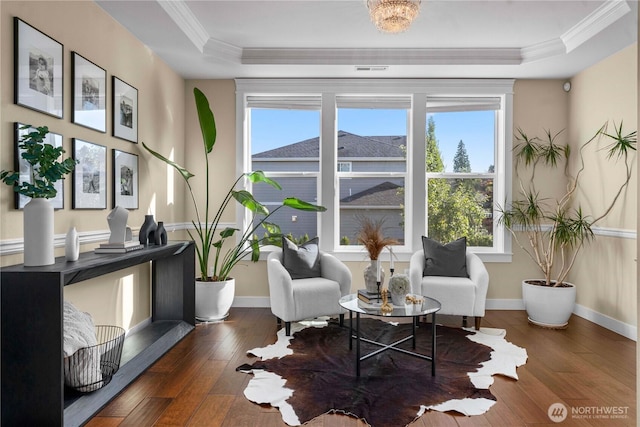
pixel 587 367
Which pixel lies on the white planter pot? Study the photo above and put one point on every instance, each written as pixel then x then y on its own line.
pixel 548 306
pixel 38 233
pixel 214 299
pixel 370 276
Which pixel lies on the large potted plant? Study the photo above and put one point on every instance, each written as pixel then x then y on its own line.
pixel 215 288
pixel 45 168
pixel 554 228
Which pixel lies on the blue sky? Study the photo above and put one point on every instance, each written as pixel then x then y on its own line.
pixel 276 128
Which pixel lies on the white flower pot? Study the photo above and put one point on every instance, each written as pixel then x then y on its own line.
pixel 38 233
pixel 214 299
pixel 370 277
pixel 549 306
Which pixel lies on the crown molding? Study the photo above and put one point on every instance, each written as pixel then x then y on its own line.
pixel 223 51
pixel 608 13
pixel 184 18
pixel 543 50
pixel 351 56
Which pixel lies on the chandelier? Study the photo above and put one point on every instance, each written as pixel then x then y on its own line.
pixel 393 16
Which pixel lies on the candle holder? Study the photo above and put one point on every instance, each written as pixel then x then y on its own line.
pixel 379 296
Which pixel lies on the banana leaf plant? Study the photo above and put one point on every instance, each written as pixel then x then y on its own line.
pixel 246 244
pixel 555 230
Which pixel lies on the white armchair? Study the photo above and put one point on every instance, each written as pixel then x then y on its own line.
pixel 300 299
pixel 459 296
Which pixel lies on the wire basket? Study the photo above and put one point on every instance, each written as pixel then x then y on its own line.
pixel 91 368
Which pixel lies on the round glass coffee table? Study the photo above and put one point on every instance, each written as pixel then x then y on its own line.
pixel 427 306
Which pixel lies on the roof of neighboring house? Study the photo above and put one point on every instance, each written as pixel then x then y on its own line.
pixel 384 194
pixel 349 146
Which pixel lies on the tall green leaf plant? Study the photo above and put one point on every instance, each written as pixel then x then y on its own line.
pixel 555 230
pixel 204 231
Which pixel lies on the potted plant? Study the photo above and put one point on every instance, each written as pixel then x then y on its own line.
pixel 214 287
pixel 45 169
pixel 555 230
pixel 371 236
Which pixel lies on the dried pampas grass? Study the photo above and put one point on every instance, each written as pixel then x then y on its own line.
pixel 372 238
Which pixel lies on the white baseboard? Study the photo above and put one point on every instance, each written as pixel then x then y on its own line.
pixel 624 329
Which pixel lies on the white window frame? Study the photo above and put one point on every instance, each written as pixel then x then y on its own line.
pixel 415 183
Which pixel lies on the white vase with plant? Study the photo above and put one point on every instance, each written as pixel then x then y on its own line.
pixel 45 170
pixel 214 281
pixel 371 236
pixel 555 229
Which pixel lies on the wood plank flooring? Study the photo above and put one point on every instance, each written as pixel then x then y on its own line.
pixel 586 367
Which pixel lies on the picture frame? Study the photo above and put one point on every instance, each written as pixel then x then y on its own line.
pixel 89 176
pixel 38 70
pixel 125 179
pixel 89 94
pixel 125 110
pixel 25 168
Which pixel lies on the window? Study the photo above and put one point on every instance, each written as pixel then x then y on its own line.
pixel 374 140
pixel 285 145
pixel 427 155
pixel 461 141
pixel 344 166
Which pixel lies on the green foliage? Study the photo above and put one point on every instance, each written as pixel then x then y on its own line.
pixel 555 230
pixel 46 170
pixel 461 161
pixel 455 206
pixel 344 240
pixel 247 244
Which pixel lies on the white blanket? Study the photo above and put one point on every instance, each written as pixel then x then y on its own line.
pixel 80 337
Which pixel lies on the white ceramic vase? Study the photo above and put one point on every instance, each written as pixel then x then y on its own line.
pixel 38 233
pixel 214 299
pixel 370 277
pixel 72 245
pixel 549 306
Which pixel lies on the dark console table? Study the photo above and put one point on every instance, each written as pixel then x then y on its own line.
pixel 33 392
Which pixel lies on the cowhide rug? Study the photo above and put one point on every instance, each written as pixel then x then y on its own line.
pixel 313 372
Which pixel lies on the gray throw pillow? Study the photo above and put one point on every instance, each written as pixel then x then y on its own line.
pixel 445 260
pixel 301 261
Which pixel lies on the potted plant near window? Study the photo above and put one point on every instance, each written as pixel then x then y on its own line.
pixel 46 168
pixel 554 229
pixel 215 289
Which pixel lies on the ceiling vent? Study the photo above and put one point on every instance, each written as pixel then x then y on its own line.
pixel 372 67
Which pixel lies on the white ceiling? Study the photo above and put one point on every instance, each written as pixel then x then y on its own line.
pixel 329 38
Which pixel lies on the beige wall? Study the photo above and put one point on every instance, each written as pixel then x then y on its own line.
pixel 605 271
pixel 168 123
pixel 85 28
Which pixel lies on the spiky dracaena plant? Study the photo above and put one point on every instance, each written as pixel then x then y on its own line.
pixel 554 229
pixel 247 242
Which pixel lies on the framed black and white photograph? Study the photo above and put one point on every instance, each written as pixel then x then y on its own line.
pixel 90 175
pixel 125 179
pixel 25 168
pixel 125 110
pixel 89 93
pixel 38 70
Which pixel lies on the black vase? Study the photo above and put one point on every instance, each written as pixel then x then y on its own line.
pixel 147 230
pixel 160 235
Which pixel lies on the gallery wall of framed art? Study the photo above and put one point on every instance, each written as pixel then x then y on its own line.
pixel 38 85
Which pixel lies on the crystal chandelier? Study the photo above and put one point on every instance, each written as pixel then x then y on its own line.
pixel 393 16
